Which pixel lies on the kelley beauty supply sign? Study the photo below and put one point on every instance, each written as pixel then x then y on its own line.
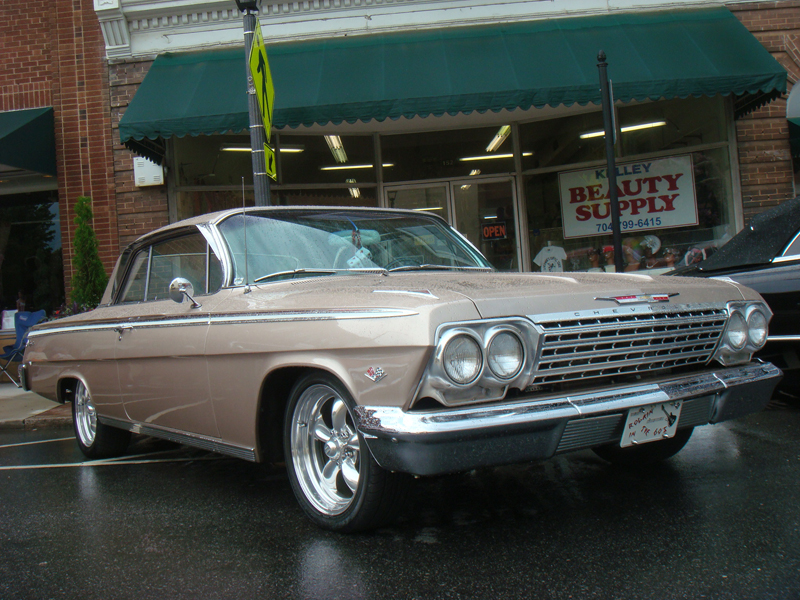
pixel 653 194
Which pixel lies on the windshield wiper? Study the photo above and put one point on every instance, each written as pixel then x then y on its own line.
pixel 429 267
pixel 294 272
pixel 312 272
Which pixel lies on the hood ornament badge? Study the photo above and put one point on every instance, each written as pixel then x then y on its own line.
pixel 640 298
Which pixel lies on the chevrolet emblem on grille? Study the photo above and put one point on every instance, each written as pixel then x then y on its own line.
pixel 640 298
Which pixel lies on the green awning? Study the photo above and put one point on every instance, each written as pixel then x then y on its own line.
pixel 550 62
pixel 27 140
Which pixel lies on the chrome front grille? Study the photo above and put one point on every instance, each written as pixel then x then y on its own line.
pixel 612 345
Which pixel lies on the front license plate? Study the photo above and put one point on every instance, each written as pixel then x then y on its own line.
pixel 651 423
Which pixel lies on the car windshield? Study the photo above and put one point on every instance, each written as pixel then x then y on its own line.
pixel 280 245
pixel 765 238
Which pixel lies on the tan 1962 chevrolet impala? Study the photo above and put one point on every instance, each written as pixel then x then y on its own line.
pixel 364 345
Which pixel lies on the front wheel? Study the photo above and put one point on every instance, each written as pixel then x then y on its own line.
pixel 645 454
pixel 95 439
pixel 333 475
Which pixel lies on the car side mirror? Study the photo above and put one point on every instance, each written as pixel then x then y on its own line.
pixel 180 287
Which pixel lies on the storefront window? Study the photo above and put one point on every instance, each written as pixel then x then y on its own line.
pixel 447 154
pixel 673 182
pixel 214 161
pixel 558 141
pixel 31 267
pixel 670 125
pixel 677 213
pixel 313 159
pixel 191 203
pixel 326 197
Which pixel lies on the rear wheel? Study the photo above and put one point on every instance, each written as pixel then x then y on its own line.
pixel 334 477
pixel 95 439
pixel 645 454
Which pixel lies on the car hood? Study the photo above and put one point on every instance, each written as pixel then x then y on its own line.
pixel 491 294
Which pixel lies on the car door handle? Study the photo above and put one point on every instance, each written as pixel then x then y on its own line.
pixel 121 329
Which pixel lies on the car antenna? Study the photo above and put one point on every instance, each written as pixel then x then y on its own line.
pixel 244 218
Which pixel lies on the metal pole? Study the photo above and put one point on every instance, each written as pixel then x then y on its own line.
pixel 257 136
pixel 608 125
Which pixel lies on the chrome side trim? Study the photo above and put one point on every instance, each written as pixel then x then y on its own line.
pixel 274 317
pixel 389 420
pixel 181 437
pixel 783 338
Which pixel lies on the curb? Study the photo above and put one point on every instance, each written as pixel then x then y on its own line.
pixel 59 417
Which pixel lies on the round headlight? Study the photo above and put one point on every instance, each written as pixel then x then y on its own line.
pixel 757 328
pixel 737 331
pixel 462 359
pixel 505 355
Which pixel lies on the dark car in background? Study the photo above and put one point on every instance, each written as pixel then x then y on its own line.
pixel 765 256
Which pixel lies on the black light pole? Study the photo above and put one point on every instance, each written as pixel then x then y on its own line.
pixel 257 136
pixel 608 124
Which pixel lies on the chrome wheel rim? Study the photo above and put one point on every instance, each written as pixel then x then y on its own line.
pixel 85 415
pixel 326 452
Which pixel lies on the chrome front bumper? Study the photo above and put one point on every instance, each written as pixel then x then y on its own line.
pixel 451 440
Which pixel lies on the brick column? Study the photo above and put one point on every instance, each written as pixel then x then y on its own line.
pixel 765 159
pixel 83 127
pixel 139 210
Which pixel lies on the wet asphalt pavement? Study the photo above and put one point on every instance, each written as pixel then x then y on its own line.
pixel 720 520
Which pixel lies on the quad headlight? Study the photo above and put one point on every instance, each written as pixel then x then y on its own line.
pixel 505 355
pixel 745 332
pixel 757 327
pixel 736 333
pixel 462 359
pixel 474 361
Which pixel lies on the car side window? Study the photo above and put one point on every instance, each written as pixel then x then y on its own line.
pixel 134 288
pixel 153 269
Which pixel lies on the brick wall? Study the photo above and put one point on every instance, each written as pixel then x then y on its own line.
pixel 765 159
pixel 139 210
pixel 53 54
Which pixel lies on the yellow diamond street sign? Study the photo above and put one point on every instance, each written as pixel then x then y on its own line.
pixel 262 79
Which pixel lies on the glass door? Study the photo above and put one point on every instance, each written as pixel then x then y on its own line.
pixel 428 197
pixel 485 214
pixel 482 210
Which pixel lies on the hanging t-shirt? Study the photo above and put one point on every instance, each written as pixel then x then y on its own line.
pixel 550 259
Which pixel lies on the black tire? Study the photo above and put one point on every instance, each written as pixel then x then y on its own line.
pixel 338 484
pixel 95 439
pixel 645 454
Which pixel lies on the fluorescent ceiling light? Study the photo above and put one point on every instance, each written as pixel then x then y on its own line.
pixel 337 149
pixel 235 148
pixel 431 208
pixel 354 191
pixel 291 149
pixel 346 167
pixel 499 138
pixel 594 134
pixel 474 172
pixel 492 156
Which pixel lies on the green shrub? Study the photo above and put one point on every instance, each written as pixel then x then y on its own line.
pixel 90 279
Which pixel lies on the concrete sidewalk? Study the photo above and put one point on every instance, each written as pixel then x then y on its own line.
pixel 25 410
